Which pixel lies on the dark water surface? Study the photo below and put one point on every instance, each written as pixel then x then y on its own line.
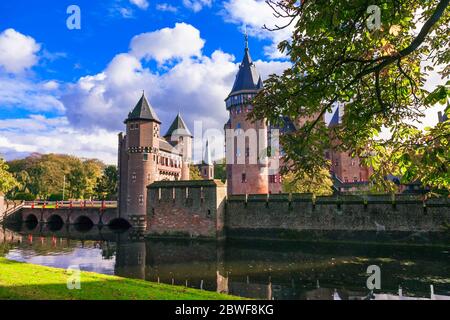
pixel 254 269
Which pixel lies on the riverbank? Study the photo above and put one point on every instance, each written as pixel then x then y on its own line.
pixel 22 281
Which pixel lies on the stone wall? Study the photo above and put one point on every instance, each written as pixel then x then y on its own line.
pixel 276 213
pixel 186 208
pixel 201 209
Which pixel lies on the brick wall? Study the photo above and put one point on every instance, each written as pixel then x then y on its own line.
pixel 186 208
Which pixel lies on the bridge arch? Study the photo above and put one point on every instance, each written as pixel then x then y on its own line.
pixel 55 222
pixel 83 223
pixel 119 223
pixel 31 222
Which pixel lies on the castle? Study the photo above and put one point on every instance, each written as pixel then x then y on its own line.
pixel 146 157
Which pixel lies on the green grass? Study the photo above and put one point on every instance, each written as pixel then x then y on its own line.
pixel 22 281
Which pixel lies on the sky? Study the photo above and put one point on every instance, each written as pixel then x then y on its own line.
pixel 68 90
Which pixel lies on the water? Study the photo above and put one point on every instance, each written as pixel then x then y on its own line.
pixel 254 269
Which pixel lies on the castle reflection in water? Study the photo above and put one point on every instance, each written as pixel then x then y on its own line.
pixel 262 270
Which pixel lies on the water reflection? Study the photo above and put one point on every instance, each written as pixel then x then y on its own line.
pixel 265 270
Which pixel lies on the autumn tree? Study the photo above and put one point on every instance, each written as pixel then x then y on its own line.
pixel 107 184
pixel 194 173
pixel 319 185
pixel 7 180
pixel 377 72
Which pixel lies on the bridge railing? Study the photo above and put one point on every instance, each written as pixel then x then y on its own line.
pixel 11 208
pixel 70 204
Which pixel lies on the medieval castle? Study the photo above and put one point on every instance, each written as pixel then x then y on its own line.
pixel 145 156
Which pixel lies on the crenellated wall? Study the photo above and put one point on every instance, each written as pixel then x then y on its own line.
pixel 277 214
pixel 201 209
pixel 186 208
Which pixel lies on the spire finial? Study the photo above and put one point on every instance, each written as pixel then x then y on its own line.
pixel 143 93
pixel 246 38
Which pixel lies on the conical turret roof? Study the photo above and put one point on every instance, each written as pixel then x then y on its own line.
pixel 248 78
pixel 143 111
pixel 178 127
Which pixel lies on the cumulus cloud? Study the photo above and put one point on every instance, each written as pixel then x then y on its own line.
pixel 94 107
pixel 142 4
pixel 34 96
pixel 18 52
pixel 180 42
pixel 54 135
pixel 197 5
pixel 240 12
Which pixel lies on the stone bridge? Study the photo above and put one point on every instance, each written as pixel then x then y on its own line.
pixel 55 218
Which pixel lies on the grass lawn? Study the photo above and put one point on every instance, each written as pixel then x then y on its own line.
pixel 22 281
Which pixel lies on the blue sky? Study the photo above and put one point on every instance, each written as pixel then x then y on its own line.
pixel 68 91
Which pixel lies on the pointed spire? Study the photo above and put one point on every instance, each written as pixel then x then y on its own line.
pixel 143 111
pixel 248 78
pixel 178 127
pixel 207 157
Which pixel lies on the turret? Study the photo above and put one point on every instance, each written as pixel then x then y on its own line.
pixel 143 132
pixel 181 138
pixel 207 166
pixel 247 141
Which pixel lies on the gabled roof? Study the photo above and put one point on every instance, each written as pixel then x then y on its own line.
pixel 178 127
pixel 247 78
pixel 143 111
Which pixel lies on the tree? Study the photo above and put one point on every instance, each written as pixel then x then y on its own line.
pixel 7 180
pixel 220 170
pixel 194 173
pixel 379 75
pixel 302 183
pixel 106 188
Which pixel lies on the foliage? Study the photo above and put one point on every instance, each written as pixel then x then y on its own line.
pixel 378 75
pixel 24 196
pixel 194 173
pixel 7 180
pixel 107 185
pixel 303 183
pixel 220 170
pixel 43 175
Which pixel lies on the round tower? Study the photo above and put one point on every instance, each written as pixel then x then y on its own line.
pixel 143 132
pixel 246 141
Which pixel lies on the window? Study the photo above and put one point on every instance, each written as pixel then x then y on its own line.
pixel 145 156
pixel 336 163
pixel 244 178
pixel 133 177
pixel 272 178
pixel 355 179
pixel 141 200
pixel 346 179
pixel 247 152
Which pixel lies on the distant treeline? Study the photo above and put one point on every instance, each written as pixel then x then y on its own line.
pixel 48 176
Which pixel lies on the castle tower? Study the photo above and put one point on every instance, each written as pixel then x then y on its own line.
pixel 181 138
pixel 246 142
pixel 138 159
pixel 207 166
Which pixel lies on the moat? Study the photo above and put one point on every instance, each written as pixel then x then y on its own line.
pixel 254 269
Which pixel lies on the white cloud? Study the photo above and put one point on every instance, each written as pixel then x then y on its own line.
pixel 18 52
pixel 94 107
pixel 165 7
pixel 243 13
pixel 197 5
pixel 182 41
pixel 142 4
pixel 24 93
pixel 54 135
